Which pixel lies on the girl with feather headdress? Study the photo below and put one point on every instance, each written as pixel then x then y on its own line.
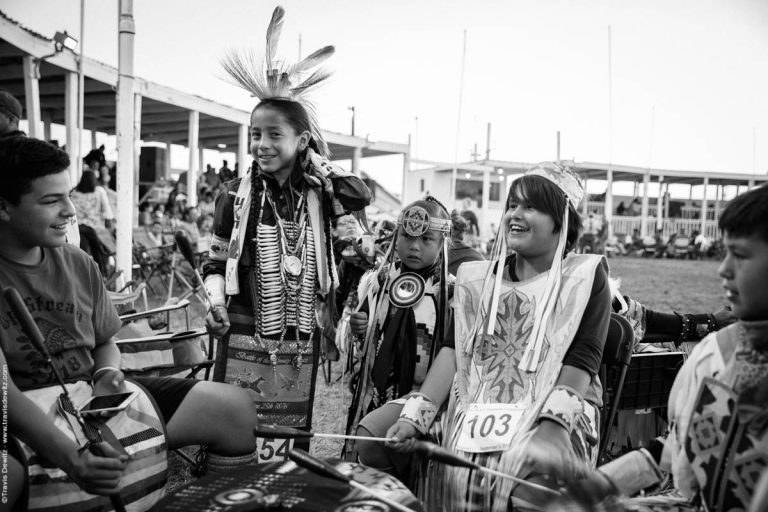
pixel 270 265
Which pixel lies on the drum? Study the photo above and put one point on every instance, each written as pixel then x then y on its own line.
pixel 286 486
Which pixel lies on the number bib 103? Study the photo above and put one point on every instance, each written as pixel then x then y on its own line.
pixel 489 427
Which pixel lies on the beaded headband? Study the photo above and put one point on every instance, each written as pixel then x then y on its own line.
pixel 415 221
pixel 561 176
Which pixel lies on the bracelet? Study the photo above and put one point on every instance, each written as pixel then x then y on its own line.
pixel 563 406
pixel 215 285
pixel 102 370
pixel 685 331
pixel 420 411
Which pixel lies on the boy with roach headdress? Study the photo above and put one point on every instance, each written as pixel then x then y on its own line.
pixel 270 264
pixel 403 320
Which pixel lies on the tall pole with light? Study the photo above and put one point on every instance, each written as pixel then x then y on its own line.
pixel 352 108
pixel 78 168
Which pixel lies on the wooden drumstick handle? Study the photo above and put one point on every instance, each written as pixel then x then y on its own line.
pixel 185 248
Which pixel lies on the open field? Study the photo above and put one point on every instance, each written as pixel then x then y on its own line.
pixel 663 285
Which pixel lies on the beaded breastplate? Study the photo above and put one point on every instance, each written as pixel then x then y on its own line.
pixel 286 272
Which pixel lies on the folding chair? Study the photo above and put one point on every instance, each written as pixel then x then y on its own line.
pixel 616 357
pixel 149 350
pixel 128 295
pixel 633 381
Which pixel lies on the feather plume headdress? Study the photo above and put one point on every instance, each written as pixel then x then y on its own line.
pixel 268 78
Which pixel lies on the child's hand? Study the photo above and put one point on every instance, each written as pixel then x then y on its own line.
pixel 97 474
pixel 109 382
pixel 214 327
pixel 724 317
pixel 550 452
pixel 358 322
pixel 404 432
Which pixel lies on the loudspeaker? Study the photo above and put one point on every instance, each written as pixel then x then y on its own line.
pixel 151 164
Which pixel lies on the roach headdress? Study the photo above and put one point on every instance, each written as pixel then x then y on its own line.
pixel 268 78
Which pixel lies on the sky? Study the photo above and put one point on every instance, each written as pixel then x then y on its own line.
pixel 688 78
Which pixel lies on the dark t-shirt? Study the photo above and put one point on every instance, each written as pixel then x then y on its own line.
pixel 66 297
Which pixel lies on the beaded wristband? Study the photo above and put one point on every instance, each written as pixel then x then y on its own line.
pixel 420 411
pixel 685 330
pixel 215 285
pixel 563 406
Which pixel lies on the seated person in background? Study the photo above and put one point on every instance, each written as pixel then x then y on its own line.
pixel 206 204
pixel 145 213
pixel 702 244
pixel 614 246
pixel 458 251
pixel 205 227
pixel 63 290
pixel 188 224
pixel 717 445
pixel 92 208
pixel 660 244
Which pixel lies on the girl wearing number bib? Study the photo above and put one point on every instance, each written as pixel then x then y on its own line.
pixel 529 335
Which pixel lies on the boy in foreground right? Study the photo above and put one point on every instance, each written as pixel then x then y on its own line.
pixel 717 445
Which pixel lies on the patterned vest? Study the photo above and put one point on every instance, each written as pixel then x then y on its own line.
pixel 487 368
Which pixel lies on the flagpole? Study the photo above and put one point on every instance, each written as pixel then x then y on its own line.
pixel 452 199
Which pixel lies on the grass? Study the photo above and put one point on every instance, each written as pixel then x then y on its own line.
pixel 662 285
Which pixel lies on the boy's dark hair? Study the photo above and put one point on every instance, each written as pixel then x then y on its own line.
pixel 547 197
pixel 747 215
pixel 22 160
pixel 88 182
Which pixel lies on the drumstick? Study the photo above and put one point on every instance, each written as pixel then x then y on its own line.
pixel 278 432
pixel 185 248
pixel 436 452
pixel 320 467
pixel 29 327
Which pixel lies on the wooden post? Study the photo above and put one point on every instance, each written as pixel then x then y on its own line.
pixel 167 162
pixel 125 138
pixel 608 211
pixel 70 121
pixel 704 207
pixel 136 154
pixel 32 96
pixel 194 133
pixel 243 150
pixel 357 154
pixel 718 196
pixel 486 198
pixel 644 204
pixel 488 143
pixel 660 205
